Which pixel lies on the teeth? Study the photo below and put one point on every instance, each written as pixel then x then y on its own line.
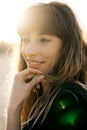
pixel 34 63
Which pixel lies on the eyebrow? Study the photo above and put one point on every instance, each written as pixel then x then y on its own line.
pixel 41 33
pixel 45 34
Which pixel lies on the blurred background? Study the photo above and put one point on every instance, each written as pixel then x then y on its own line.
pixel 10 11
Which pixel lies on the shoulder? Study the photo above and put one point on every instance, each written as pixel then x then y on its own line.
pixel 72 93
pixel 69 108
pixel 75 90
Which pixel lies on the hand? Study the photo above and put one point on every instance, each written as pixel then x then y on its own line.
pixel 24 82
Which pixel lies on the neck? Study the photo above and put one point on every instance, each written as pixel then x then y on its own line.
pixel 45 86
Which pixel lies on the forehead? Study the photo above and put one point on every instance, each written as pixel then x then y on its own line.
pixel 38 35
pixel 41 20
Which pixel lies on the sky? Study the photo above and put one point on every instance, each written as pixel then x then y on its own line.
pixel 10 11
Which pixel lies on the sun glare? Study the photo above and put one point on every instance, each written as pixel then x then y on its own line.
pixel 11 9
pixel 9 13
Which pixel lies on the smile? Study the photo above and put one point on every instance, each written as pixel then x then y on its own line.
pixel 34 64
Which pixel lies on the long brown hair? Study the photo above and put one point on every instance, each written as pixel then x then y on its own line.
pixel 57 19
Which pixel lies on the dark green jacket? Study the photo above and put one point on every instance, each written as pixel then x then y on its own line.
pixel 68 111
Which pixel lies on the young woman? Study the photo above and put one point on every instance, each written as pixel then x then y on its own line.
pixel 50 89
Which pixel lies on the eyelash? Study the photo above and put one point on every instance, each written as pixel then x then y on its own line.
pixel 44 40
pixel 24 40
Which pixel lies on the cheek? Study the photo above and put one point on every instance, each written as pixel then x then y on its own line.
pixel 53 56
pixel 50 63
pixel 23 52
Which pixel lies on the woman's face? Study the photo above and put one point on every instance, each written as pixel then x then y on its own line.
pixel 41 51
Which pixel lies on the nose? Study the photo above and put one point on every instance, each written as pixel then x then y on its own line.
pixel 31 49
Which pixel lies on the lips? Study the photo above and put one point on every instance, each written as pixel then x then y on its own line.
pixel 34 64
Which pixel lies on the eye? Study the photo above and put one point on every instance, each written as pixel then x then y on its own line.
pixel 44 40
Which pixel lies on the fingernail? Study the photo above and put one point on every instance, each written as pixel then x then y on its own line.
pixel 38 87
pixel 42 76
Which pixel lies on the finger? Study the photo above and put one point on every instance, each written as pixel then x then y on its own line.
pixel 28 78
pixel 36 80
pixel 35 71
pixel 24 72
pixel 29 71
pixel 38 86
pixel 32 72
pixel 38 90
